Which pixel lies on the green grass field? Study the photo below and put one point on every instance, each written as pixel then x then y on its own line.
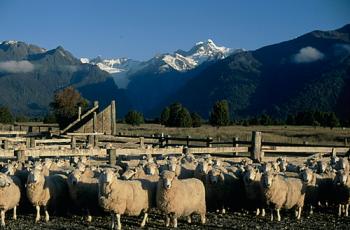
pixel 284 134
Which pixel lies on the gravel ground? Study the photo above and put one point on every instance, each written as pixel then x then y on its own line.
pixel 326 219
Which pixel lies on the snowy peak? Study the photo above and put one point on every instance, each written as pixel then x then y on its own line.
pixel 112 66
pixel 200 53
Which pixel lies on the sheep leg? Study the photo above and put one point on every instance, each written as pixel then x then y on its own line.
pixel 262 212
pixel 167 221
pixel 223 211
pixel 189 220
pixel 174 221
pixel 311 210
pixel 347 210
pixel 15 213
pixel 89 217
pixel 203 218
pixel 113 221
pixel 299 213
pixel 119 225
pixel 271 214
pixel 257 212
pixel 3 218
pixel 37 218
pixel 278 214
pixel 339 210
pixel 47 216
pixel 144 220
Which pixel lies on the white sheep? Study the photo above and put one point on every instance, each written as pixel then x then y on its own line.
pixel 342 191
pixel 253 189
pixel 46 191
pixel 10 195
pixel 121 197
pixel 180 198
pixel 83 189
pixel 283 192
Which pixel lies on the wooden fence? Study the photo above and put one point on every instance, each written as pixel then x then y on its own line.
pixel 21 145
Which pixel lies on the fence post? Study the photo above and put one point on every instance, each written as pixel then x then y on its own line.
pixel 32 142
pixel 21 155
pixel 79 112
pixel 167 141
pixel 112 156
pixel 161 141
pixel 346 141
pixel 209 140
pixel 142 142
pixel 113 118
pixel 91 140
pixel 334 152
pixel 256 153
pixel 235 144
pixel 73 143
pixel 6 144
pixel 188 141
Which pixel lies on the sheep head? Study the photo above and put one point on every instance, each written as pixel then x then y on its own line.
pixel 5 181
pixel 215 175
pixel 267 179
pixel 167 178
pixel 107 176
pixel 36 176
pixel 74 177
pixel 250 174
pixel 151 169
pixel 306 175
pixel 341 177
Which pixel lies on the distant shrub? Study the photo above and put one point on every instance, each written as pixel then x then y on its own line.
pixel 196 120
pixel 134 118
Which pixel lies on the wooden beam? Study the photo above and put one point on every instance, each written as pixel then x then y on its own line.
pixel 306 149
pixel 48 141
pixel 84 134
pixel 113 118
pixel 13 132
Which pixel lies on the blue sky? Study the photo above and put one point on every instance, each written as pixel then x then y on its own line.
pixel 140 29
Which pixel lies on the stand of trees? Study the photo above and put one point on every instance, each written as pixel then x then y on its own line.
pixel 177 115
pixel 134 118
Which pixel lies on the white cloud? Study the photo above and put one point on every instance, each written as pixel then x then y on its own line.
pixel 16 66
pixel 308 54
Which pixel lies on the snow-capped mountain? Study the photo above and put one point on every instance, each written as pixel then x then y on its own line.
pixel 122 68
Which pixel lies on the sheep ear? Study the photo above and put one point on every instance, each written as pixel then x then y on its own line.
pixel 222 176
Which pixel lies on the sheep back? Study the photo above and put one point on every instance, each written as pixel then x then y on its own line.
pixel 183 198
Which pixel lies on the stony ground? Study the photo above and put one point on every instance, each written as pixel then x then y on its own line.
pixel 320 220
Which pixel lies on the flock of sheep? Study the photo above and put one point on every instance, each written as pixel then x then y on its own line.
pixel 176 186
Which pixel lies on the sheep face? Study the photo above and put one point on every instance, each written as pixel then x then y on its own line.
pixel 306 175
pixel 266 167
pixel 334 160
pixel 215 175
pixel 341 178
pixel 250 175
pixel 203 167
pixel 151 169
pixel 282 164
pixel 172 166
pixel 47 162
pixel 74 177
pixel 342 163
pixel 35 176
pixel 321 166
pixel 267 179
pixel 167 178
pixel 108 176
pixel 9 169
pixel 81 167
pixel 4 180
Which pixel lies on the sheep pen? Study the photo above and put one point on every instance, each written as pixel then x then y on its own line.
pixel 323 217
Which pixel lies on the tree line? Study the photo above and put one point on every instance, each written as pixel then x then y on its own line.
pixel 64 109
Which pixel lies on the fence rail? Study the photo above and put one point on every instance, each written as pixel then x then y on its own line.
pixel 97 144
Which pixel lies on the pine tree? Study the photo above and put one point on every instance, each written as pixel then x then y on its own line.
pixel 164 117
pixel 220 115
pixel 5 115
pixel 196 120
